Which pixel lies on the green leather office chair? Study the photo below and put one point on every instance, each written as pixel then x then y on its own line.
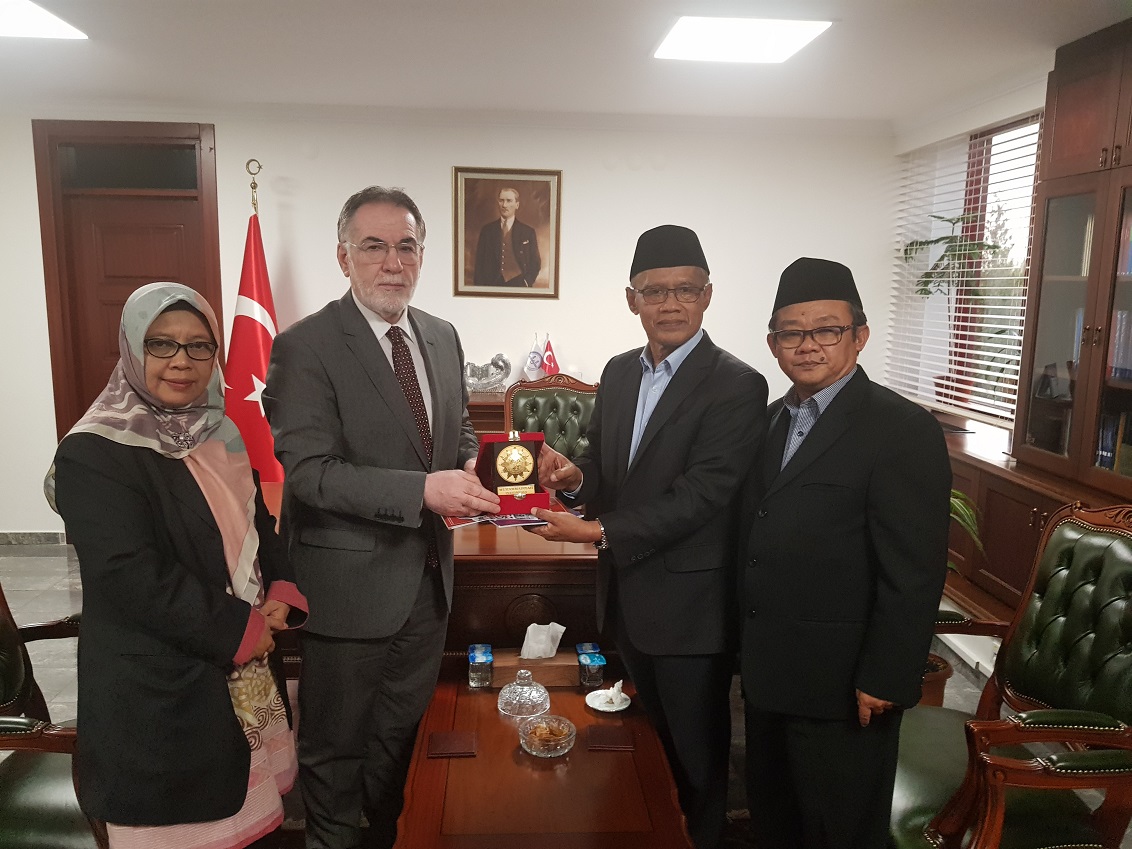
pixel 1065 666
pixel 38 808
pixel 558 405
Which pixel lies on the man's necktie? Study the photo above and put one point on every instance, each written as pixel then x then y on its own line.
pixel 407 376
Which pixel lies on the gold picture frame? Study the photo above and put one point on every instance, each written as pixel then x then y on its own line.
pixel 506 230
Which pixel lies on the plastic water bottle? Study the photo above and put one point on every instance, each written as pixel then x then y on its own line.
pixel 480 665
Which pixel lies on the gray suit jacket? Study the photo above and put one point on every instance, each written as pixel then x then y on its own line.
pixel 355 467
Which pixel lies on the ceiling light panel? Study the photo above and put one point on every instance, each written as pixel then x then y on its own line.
pixel 24 19
pixel 737 39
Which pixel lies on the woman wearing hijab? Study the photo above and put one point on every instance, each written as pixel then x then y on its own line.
pixel 185 739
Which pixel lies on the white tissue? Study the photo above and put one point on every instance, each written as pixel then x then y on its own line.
pixel 542 640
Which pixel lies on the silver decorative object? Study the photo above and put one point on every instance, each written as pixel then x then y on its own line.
pixel 490 377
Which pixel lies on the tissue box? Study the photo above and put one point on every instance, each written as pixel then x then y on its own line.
pixel 558 671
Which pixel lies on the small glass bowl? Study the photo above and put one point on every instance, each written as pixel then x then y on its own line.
pixel 547 736
pixel 523 697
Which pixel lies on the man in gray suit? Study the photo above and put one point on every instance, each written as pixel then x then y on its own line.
pixel 368 408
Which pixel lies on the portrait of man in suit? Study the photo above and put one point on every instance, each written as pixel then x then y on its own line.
pixel 507 250
pixel 675 427
pixel 835 624
pixel 368 409
pixel 506 232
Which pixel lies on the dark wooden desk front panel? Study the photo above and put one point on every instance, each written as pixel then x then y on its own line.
pixel 504 798
pixel 506 578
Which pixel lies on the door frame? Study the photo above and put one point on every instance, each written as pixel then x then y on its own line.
pixel 47 136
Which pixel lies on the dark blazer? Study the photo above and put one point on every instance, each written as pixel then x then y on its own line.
pixel 670 517
pixel 845 556
pixel 489 250
pixel 160 742
pixel 355 465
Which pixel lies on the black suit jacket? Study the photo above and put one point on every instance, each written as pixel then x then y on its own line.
pixel 845 556
pixel 355 466
pixel 489 251
pixel 670 516
pixel 159 743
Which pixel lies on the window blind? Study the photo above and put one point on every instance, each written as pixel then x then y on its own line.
pixel 963 232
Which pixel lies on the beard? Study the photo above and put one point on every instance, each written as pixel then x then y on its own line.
pixel 388 305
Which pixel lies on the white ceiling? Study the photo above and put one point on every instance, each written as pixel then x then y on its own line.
pixel 882 60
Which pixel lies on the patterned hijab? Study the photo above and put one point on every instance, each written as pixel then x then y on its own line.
pixel 200 434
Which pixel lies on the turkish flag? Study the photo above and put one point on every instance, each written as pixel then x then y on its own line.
pixel 549 361
pixel 253 329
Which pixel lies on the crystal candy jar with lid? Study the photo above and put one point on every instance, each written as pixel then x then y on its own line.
pixel 524 696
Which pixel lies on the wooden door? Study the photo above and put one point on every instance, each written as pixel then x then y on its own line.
pixel 121 204
pixel 119 244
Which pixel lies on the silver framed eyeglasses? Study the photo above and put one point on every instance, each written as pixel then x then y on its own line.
pixel 375 250
pixel 658 294
pixel 822 335
pixel 165 349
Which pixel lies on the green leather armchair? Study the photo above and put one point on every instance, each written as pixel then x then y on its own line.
pixel 558 405
pixel 38 808
pixel 1064 671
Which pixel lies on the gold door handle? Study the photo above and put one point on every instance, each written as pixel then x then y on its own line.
pixel 1104 158
pixel 1033 516
pixel 1097 335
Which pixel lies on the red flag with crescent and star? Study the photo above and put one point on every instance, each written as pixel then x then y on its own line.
pixel 253 330
pixel 549 361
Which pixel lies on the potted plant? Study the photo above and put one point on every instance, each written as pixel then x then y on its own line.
pixel 937 669
pixel 950 275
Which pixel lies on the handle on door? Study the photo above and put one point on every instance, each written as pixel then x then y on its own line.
pixel 1033 516
pixel 1104 158
pixel 1116 156
pixel 1085 336
pixel 1042 519
pixel 1097 335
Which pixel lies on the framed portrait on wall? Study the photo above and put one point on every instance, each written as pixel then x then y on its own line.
pixel 506 232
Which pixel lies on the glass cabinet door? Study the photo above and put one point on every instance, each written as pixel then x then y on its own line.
pixel 1114 439
pixel 1064 327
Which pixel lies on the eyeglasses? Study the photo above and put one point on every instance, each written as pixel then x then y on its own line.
pixel 408 253
pixel 165 349
pixel 822 335
pixel 658 294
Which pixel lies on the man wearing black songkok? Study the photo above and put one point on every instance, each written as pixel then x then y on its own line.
pixel 844 552
pixel 674 430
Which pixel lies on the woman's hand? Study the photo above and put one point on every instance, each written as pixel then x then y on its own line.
pixel 266 641
pixel 276 613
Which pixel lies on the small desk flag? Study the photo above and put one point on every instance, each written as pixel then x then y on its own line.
pixel 549 361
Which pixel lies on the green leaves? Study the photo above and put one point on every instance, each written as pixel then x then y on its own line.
pixel 964 513
pixel 952 267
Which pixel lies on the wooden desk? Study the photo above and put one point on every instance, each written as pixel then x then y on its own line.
pixel 504 798
pixel 507 578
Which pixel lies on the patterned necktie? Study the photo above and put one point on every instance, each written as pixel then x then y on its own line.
pixel 407 377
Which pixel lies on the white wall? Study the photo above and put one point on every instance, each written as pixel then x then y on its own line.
pixel 759 194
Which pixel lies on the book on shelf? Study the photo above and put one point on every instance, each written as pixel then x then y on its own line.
pixel 1106 440
pixel 1120 345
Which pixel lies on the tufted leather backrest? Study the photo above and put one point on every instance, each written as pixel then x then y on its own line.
pixel 560 406
pixel 1071 642
pixel 15 668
